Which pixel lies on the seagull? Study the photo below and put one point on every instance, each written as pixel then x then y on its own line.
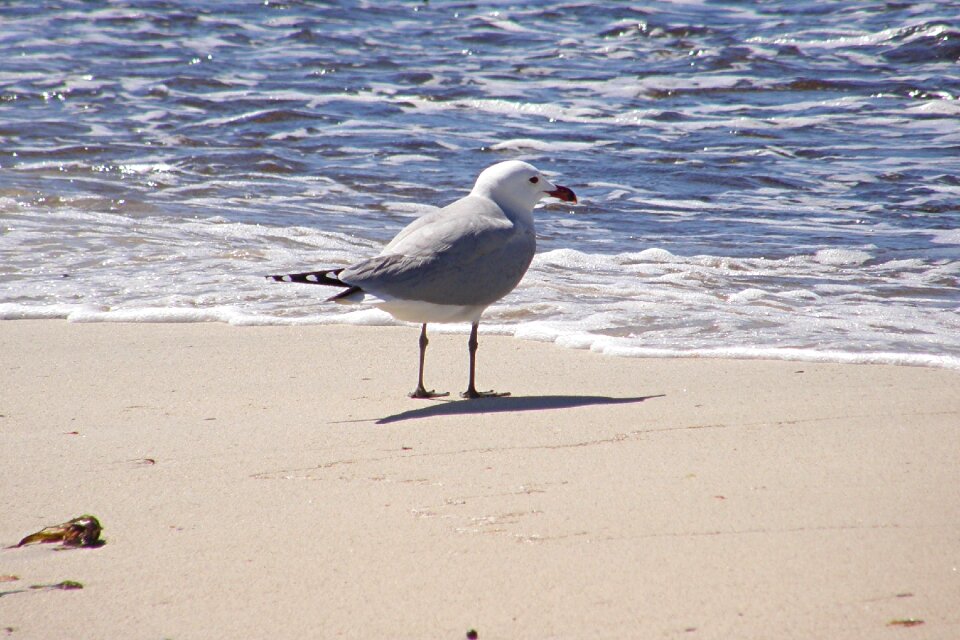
pixel 449 265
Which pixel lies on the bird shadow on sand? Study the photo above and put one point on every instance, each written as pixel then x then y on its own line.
pixel 508 404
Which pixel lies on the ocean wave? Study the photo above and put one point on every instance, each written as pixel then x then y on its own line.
pixel 774 178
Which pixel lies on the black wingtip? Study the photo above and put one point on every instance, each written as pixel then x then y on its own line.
pixel 344 294
pixel 327 277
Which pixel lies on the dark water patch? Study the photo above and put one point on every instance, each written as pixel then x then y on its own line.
pixel 275 116
pixel 415 77
pixel 201 83
pixel 817 84
pixel 279 167
pixel 661 94
pixel 668 116
pixel 947 179
pixel 942 47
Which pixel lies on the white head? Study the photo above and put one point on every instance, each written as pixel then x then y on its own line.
pixel 518 186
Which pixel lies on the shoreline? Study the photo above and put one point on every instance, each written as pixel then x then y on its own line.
pixel 273 481
pixel 595 343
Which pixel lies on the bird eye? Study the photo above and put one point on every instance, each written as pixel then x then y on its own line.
pixel 534 180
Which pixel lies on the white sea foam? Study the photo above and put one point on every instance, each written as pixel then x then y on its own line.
pixel 950 236
pixel 500 22
pixel 402 158
pixel 518 144
pixel 841 257
pixel 798 355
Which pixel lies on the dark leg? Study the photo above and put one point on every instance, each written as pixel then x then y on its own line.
pixel 421 391
pixel 471 391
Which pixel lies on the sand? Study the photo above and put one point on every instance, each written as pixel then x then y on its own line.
pixel 276 482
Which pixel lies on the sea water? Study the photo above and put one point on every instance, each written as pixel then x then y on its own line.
pixel 776 179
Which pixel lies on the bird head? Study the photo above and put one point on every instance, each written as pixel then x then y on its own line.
pixel 518 186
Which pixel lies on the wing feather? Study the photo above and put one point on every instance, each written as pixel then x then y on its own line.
pixel 467 253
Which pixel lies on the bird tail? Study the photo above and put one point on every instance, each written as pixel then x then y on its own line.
pixel 329 277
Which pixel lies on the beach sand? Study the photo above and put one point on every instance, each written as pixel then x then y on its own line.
pixel 276 482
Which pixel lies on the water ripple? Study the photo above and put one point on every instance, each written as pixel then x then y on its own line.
pixel 781 175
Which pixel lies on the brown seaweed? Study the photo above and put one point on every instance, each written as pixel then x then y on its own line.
pixel 905 622
pixel 66 585
pixel 83 531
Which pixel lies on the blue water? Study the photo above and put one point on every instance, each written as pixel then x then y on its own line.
pixel 776 179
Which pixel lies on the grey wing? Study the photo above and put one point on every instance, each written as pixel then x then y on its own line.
pixel 429 231
pixel 451 256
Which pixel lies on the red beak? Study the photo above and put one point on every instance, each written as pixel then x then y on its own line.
pixel 563 193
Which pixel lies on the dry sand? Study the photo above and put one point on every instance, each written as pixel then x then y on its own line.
pixel 276 482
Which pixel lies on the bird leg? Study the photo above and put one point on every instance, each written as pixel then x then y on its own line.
pixel 421 391
pixel 471 391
